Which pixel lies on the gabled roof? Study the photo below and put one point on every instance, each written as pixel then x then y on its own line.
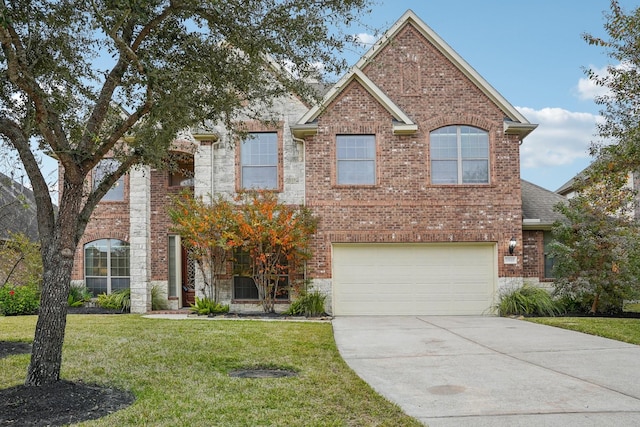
pixel 515 123
pixel 402 123
pixel 537 206
pixel 568 187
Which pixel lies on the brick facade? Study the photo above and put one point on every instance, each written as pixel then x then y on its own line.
pixel 402 206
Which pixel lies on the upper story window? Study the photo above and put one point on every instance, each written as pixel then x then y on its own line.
pixel 102 169
pixel 259 161
pixel 182 174
pixel 356 158
pixel 459 155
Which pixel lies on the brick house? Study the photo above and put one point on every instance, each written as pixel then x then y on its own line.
pixel 411 162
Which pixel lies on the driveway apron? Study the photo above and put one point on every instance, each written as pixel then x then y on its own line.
pixel 493 371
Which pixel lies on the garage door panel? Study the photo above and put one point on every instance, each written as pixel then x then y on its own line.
pixel 413 279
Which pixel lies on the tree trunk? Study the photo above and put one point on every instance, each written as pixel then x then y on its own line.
pixel 58 250
pixel 46 354
pixel 594 306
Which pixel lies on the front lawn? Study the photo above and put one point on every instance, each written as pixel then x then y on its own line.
pixel 626 330
pixel 179 372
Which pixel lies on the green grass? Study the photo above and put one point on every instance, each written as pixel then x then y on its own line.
pixel 626 330
pixel 178 371
pixel 632 307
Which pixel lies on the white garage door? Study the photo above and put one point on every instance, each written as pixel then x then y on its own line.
pixel 413 279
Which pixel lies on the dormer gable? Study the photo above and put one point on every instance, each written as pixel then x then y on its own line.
pixel 402 124
pixel 514 122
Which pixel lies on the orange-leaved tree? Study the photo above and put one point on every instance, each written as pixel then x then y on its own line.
pixel 208 230
pixel 276 236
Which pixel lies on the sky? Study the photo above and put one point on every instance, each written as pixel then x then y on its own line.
pixel 534 55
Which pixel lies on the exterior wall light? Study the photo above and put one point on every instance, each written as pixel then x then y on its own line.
pixel 512 245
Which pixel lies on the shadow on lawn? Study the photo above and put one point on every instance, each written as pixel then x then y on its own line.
pixel 57 404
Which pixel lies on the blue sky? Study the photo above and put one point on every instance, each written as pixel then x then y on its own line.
pixel 533 53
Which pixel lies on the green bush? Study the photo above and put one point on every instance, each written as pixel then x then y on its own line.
pixel 78 295
pixel 118 300
pixel 308 304
pixel 158 302
pixel 19 300
pixel 528 300
pixel 206 306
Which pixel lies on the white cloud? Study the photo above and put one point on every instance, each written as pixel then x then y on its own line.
pixel 562 137
pixel 365 39
pixel 587 89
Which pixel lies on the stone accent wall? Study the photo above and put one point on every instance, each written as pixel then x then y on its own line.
pixel 140 241
pixel 217 164
pixel 324 286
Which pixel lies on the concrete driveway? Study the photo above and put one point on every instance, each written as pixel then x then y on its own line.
pixel 492 371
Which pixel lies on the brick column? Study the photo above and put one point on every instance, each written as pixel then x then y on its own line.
pixel 140 237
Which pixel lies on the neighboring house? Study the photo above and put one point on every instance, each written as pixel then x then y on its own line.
pixel 17 210
pixel 411 162
pixel 568 190
pixel 538 217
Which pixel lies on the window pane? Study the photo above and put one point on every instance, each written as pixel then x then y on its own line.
pixel 356 172
pixel 475 143
pixel 444 143
pixel 444 149
pixel 95 255
pixel 96 285
pixel 475 171
pixel 444 172
pixel 457 149
pixel 549 261
pixel 120 283
pixel 173 266
pixel 119 258
pixel 356 159
pixel 104 168
pixel 259 159
pixel 283 288
pixel 264 177
pixel 106 265
pixel 244 288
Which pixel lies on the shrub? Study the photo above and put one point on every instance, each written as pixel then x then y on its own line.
pixel 308 304
pixel 528 300
pixel 158 302
pixel 206 306
pixel 78 295
pixel 118 300
pixel 19 300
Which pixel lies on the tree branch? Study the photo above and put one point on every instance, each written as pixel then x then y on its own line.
pixel 20 142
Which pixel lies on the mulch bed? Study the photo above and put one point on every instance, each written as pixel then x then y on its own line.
pixel 57 404
pixel 93 310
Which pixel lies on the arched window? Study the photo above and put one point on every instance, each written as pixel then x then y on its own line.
pixel 459 155
pixel 106 266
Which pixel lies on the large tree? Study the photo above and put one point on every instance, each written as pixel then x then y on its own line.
pixel 79 77
pixel 620 129
pixel 598 249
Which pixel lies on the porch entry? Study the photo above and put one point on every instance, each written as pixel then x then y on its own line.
pixel 182 271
